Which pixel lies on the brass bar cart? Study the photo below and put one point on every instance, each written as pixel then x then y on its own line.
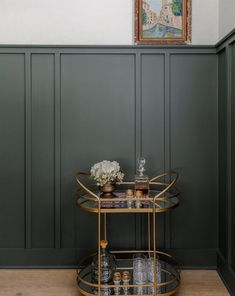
pixel 163 197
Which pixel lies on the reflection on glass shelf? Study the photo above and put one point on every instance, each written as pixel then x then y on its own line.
pixel 120 203
pixel 169 279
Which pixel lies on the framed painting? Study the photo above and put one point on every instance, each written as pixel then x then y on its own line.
pixel 163 21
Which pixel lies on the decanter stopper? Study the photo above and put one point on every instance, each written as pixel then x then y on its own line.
pixel 141 180
pixel 103 244
pixel 140 165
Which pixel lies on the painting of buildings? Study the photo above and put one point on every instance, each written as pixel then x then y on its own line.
pixel 162 18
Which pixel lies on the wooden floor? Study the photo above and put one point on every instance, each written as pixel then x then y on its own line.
pixel 63 283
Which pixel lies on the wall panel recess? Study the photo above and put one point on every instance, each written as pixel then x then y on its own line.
pixel 97 123
pixel 193 105
pixel 233 156
pixel 42 150
pixel 12 150
pixel 152 124
pixel 222 105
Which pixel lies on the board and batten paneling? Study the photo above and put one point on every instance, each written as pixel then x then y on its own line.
pixel 67 108
pixel 153 127
pixel 97 123
pixel 12 150
pixel 193 148
pixel 233 156
pixel 222 105
pixel 43 177
pixel 226 253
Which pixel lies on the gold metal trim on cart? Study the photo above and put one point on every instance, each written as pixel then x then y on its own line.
pixel 168 200
pixel 163 196
pixel 165 294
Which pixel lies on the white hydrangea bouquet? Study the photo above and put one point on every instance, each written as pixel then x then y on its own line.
pixel 105 172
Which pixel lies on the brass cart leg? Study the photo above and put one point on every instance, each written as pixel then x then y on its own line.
pixel 105 228
pixel 154 249
pixel 149 235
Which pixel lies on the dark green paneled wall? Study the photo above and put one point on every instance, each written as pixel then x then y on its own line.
pixel 62 109
pixel 233 155
pixel 226 254
pixel 194 149
pixel 97 122
pixel 223 236
pixel 12 151
pixel 43 162
pixel 153 125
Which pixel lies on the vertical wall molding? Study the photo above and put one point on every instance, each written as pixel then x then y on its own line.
pixel 167 140
pixel 229 152
pixel 57 143
pixel 138 138
pixel 28 151
pixel 138 116
pixel 225 265
pixel 232 211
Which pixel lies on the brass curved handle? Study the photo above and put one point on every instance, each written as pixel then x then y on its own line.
pixel 85 187
pixel 170 185
pixel 152 181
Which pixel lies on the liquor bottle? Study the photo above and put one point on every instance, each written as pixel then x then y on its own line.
pixel 141 180
pixel 107 264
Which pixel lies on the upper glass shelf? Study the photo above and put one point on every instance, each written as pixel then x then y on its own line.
pixel 162 196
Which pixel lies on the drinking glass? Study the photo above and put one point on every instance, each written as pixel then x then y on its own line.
pixel 150 272
pixel 140 273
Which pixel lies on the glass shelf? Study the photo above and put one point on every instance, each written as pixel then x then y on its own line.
pixel 119 205
pixel 162 196
pixel 170 276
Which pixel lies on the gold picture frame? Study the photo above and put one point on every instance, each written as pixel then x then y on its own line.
pixel 163 26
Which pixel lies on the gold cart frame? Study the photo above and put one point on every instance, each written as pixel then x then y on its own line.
pixel 164 200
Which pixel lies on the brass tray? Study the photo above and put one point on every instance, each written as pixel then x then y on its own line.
pixel 170 275
pixel 162 198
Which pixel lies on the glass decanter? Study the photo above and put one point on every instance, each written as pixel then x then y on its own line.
pixel 141 180
pixel 107 265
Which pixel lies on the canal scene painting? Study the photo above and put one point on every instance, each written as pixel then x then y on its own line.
pixel 163 21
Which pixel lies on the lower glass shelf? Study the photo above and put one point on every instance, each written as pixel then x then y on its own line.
pixel 168 285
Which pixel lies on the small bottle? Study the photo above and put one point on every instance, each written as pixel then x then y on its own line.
pixel 141 180
pixel 126 277
pixel 130 195
pixel 138 203
pixel 117 281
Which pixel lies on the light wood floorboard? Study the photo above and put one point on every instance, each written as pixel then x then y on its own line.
pixel 63 283
pixel 201 282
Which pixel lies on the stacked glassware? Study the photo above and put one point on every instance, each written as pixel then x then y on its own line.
pixel 143 273
pixel 140 273
pixel 150 271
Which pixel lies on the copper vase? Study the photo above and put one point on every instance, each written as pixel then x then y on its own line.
pixel 107 190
